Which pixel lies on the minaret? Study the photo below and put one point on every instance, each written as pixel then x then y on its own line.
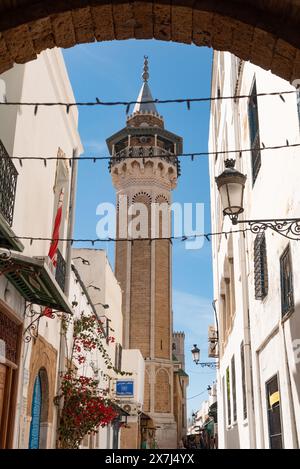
pixel 144 169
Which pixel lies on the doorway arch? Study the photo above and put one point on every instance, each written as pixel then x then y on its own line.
pixel 262 31
pixel 39 411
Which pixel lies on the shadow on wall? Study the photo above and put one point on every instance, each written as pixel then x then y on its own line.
pixel 292 335
pixel 232 438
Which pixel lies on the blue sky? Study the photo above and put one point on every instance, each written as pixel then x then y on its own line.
pixel 112 71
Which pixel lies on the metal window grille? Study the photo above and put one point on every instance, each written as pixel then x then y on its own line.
pixel 286 280
pixel 8 185
pixel 260 267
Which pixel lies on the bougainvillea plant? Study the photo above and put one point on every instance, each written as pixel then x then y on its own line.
pixel 85 406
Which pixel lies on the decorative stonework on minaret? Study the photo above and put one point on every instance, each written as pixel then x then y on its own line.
pixel 144 169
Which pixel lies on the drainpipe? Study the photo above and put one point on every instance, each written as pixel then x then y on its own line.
pixel 70 230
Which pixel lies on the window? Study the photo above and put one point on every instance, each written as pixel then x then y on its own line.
pixel 254 133
pixel 233 388
pixel 243 381
pixel 274 413
pixel 286 280
pixel 260 267
pixel 118 357
pixel 228 396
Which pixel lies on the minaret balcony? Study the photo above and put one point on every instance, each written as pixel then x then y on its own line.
pixel 145 152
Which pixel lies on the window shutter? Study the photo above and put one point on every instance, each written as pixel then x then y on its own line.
pixel 286 281
pixel 260 267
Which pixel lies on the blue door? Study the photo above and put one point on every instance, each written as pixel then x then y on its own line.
pixel 34 436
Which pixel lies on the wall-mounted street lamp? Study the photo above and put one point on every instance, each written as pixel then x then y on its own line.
pixel 231 185
pixel 196 358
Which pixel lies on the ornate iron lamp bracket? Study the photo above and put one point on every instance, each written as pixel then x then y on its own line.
pixel 32 330
pixel 289 227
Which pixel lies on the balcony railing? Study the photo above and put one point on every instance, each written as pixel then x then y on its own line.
pixel 8 185
pixel 145 152
pixel 60 274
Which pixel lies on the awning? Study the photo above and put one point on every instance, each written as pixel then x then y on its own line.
pixel 7 237
pixel 34 280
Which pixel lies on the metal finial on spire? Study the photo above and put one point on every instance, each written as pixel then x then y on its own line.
pixel 145 74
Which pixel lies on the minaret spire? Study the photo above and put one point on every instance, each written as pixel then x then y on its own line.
pixel 143 106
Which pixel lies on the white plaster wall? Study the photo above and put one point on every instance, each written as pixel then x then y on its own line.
pixel 26 134
pixel 276 193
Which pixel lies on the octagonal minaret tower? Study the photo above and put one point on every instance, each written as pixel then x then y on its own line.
pixel 144 169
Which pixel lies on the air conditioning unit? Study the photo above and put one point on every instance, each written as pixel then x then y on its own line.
pixel 130 408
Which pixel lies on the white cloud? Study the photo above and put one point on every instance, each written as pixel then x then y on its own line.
pixel 190 308
pixel 94 146
pixel 192 315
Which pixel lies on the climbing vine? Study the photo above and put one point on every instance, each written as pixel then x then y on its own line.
pixel 85 406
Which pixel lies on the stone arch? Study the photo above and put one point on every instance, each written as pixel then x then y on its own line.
pixel 148 168
pixel 162 391
pixel 264 32
pixel 142 196
pixel 161 198
pixel 135 167
pixel 160 168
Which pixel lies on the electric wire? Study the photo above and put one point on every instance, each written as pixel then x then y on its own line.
pixel 127 104
pixel 183 238
pixel 116 159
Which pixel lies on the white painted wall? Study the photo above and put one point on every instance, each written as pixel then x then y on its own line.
pixel 275 194
pixel 26 134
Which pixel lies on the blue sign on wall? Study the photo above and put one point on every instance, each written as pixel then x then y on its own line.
pixel 124 388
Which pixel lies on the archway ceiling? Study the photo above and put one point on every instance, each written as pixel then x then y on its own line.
pixel 266 32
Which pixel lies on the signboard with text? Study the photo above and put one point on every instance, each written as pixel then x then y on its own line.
pixel 124 388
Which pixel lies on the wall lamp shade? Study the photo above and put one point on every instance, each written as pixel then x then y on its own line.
pixel 231 184
pixel 195 353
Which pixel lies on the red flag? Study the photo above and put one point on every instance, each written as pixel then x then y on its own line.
pixel 54 243
pixel 55 235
